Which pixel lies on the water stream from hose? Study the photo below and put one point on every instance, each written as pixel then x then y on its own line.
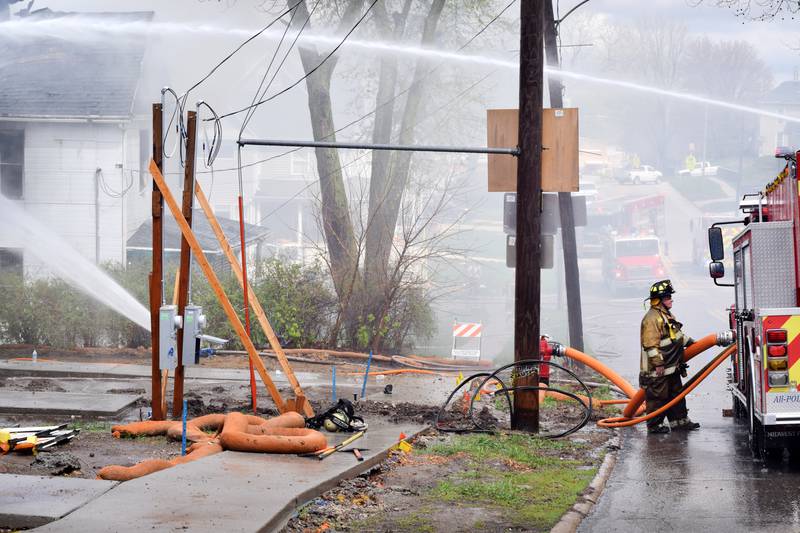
pixel 65 262
pixel 86 29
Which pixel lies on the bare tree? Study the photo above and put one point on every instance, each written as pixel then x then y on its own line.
pixel 757 9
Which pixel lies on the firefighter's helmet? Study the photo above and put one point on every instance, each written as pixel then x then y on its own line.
pixel 661 289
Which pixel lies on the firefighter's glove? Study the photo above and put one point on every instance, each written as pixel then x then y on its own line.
pixel 683 368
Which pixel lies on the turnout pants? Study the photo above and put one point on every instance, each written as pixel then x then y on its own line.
pixel 658 392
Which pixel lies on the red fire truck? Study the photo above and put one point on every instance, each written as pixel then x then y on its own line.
pixel 765 379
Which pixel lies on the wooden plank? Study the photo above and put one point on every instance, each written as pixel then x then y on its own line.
pixel 559 157
pixel 253 299
pixel 185 258
pixel 230 312
pixel 157 207
pixel 502 132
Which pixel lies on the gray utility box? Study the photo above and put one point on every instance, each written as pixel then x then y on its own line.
pixel 168 321
pixel 193 323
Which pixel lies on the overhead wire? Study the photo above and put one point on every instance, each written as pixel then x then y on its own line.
pixel 387 102
pixel 310 72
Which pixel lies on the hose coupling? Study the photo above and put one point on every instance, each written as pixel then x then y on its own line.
pixel 558 349
pixel 726 338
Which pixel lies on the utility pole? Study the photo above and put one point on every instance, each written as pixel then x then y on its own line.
pixel 529 203
pixel 186 257
pixel 569 245
pixel 157 274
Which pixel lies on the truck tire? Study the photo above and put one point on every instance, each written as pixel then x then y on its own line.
pixel 636 181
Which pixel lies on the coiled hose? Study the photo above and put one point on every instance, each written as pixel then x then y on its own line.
pixel 586 403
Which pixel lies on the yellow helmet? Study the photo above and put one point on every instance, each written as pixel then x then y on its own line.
pixel 661 289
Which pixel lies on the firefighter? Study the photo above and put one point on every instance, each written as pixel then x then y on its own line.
pixel 662 364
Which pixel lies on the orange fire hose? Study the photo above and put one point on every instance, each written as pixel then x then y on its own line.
pixel 602 369
pixel 624 421
pixel 697 348
pixel 234 436
pixel 282 434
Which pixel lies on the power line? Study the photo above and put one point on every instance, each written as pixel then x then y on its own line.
pixel 309 73
pixel 387 102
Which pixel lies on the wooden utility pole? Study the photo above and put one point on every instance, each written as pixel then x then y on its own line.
pixel 157 274
pixel 186 257
pixel 529 198
pixel 569 246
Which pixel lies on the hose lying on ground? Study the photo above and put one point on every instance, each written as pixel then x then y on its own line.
pixel 282 434
pixel 585 402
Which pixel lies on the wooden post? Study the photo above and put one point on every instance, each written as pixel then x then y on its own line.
pixel 157 274
pixel 230 312
pixel 569 245
pixel 186 257
pixel 261 316
pixel 529 197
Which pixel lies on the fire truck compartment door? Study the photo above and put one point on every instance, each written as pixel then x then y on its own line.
pixel 773 265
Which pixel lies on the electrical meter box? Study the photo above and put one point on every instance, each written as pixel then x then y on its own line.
pixel 193 323
pixel 168 337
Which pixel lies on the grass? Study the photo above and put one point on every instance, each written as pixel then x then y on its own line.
pixel 92 426
pixel 529 498
pixel 519 448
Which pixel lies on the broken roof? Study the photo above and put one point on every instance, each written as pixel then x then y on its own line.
pixel 47 75
pixel 142 239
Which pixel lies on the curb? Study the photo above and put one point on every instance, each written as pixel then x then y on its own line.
pixel 570 520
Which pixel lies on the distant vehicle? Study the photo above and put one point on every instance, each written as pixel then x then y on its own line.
pixel 632 262
pixel 587 189
pixel 644 174
pixel 703 168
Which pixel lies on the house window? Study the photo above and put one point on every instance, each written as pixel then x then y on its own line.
pixel 12 155
pixel 11 261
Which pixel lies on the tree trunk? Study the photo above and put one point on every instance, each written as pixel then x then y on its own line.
pixel 389 192
pixel 336 222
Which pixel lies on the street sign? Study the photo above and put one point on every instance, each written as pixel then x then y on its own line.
pixel 547 251
pixel 551 218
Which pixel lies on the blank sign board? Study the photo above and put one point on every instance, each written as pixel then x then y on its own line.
pixel 559 154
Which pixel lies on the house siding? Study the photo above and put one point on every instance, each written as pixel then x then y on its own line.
pixel 59 188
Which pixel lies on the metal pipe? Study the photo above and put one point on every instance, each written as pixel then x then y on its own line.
pixel 367 146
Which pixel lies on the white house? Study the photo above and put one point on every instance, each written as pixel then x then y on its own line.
pixel 773 132
pixel 71 149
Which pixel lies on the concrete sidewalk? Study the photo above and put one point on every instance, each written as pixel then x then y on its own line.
pixel 111 370
pixel 230 491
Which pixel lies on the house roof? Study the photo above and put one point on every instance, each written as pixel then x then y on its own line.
pixel 787 93
pixel 45 75
pixel 142 238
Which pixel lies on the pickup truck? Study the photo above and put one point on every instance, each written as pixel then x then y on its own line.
pixel 703 168
pixel 644 174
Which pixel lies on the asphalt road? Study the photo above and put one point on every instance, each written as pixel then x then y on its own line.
pixel 701 481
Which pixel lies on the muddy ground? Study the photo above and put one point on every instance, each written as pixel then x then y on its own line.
pixel 395 496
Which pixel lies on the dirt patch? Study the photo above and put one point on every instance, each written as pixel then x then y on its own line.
pixel 43 385
pixel 419 491
pixel 87 453
pixel 133 390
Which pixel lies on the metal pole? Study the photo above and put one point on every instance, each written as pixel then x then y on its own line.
pixel 529 197
pixel 245 285
pixel 568 241
pixel 157 274
pixel 367 146
pixel 186 255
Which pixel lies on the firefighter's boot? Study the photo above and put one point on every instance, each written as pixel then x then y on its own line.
pixel 685 424
pixel 658 429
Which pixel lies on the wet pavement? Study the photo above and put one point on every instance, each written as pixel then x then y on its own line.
pixel 705 480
